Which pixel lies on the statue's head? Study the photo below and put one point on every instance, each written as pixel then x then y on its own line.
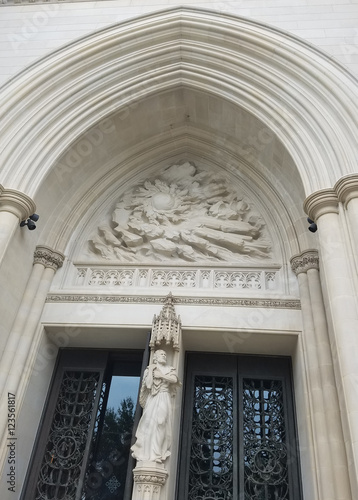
pixel 159 356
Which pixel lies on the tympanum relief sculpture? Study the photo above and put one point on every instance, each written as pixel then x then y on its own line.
pixel 183 214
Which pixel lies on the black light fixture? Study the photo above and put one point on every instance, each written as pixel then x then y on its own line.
pixel 30 222
pixel 313 226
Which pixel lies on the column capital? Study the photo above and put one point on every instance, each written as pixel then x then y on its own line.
pixel 48 257
pixel 347 188
pixel 321 202
pixel 17 203
pixel 301 263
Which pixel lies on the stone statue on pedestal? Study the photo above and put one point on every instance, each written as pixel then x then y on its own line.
pixel 154 429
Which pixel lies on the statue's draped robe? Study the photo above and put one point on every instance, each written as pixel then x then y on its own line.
pixel 154 429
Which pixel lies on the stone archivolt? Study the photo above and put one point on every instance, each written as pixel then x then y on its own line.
pixel 186 215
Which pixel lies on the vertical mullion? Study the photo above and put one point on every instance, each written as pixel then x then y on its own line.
pixel 137 415
pixel 89 436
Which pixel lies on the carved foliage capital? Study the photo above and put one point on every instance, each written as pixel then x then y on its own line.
pixel 48 257
pixel 17 203
pixel 303 262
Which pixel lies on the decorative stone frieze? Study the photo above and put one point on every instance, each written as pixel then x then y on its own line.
pixel 17 203
pixel 320 203
pixel 48 257
pixel 190 278
pixel 304 261
pixel 347 188
pixel 270 303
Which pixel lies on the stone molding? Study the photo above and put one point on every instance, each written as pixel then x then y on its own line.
pixel 17 203
pixel 321 202
pixel 347 188
pixel 338 92
pixel 200 301
pixel 304 261
pixel 48 257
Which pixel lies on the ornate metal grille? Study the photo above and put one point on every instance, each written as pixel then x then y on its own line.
pixel 62 461
pixel 264 436
pixel 211 453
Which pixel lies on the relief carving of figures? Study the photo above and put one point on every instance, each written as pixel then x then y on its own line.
pixel 185 215
pixel 153 436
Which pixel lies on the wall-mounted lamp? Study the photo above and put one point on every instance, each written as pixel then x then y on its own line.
pixel 30 222
pixel 313 226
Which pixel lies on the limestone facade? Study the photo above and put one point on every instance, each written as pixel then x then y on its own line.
pixel 180 151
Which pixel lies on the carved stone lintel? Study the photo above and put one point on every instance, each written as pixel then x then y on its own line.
pixel 167 326
pixel 304 261
pixel 17 203
pixel 48 257
pixel 148 481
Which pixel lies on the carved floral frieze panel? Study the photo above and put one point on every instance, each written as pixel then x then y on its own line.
pixel 182 278
pixel 184 215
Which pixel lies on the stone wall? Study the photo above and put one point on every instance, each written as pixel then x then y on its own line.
pixel 29 31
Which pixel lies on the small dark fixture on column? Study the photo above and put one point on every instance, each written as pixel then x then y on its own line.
pixel 312 227
pixel 30 222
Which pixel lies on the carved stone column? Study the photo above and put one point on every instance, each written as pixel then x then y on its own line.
pixel 15 365
pixel 148 481
pixel 300 264
pixel 340 294
pixel 14 208
pixel 330 450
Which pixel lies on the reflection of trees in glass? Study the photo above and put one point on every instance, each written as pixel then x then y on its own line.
pixel 117 428
pixel 107 475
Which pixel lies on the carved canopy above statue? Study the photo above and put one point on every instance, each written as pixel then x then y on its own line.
pixel 184 215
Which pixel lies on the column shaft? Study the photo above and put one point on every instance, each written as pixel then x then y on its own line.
pixel 329 388
pixel 341 302
pixel 323 456
pixel 19 326
pixel 9 222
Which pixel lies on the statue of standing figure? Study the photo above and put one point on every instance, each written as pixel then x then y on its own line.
pixel 154 429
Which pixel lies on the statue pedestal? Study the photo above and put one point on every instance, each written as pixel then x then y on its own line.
pixel 149 477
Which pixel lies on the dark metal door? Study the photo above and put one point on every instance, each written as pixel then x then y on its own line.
pixel 238 438
pixel 83 443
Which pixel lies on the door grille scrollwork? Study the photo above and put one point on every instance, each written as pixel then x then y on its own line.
pixel 265 450
pixel 62 461
pixel 211 454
